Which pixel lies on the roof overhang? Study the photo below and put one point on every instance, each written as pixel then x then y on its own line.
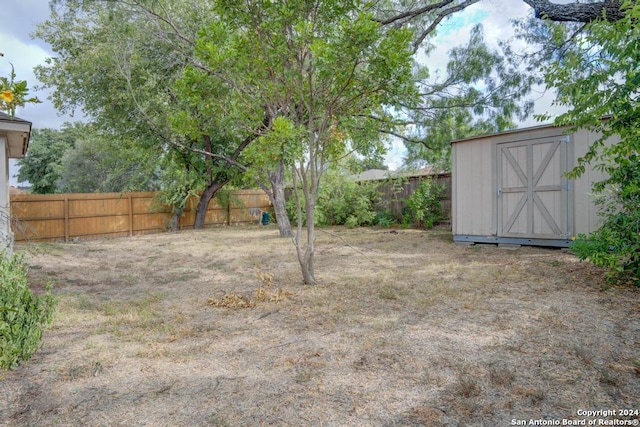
pixel 17 132
pixel 506 132
pixel 564 128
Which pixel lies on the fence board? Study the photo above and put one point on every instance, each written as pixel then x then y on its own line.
pixel 98 207
pixel 69 216
pixel 150 221
pixel 102 224
pixel 39 229
pixel 38 209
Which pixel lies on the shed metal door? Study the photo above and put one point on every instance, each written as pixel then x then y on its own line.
pixel 532 191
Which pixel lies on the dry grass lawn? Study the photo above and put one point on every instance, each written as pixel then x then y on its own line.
pixel 214 328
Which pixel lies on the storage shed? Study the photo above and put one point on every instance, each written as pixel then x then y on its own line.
pixel 510 187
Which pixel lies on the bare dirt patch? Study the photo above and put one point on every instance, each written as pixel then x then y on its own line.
pixel 404 329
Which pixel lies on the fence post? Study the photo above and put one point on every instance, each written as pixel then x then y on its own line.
pixel 66 218
pixel 130 215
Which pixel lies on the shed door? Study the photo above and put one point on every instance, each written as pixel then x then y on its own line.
pixel 532 191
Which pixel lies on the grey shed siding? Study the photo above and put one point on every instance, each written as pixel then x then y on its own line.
pixel 472 188
pixel 492 202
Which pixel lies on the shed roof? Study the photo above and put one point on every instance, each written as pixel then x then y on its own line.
pixel 17 132
pixel 508 132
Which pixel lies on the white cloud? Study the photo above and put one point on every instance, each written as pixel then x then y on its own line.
pixel 19 21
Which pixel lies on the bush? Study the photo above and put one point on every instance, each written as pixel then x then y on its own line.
pixel 341 201
pixel 23 315
pixel 616 244
pixel 384 219
pixel 424 204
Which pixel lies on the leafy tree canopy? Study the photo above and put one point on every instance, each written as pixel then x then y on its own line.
pixel 79 159
pixel 120 61
pixel 598 79
pixel 99 164
pixel 41 166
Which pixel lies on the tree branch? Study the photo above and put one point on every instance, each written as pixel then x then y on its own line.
pixel 229 160
pixel 411 14
pixel 407 138
pixel 569 12
pixel 438 19
pixel 577 12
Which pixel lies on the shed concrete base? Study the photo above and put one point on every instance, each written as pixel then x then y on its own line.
pixel 550 243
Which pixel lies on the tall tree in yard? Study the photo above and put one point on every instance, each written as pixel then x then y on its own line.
pixel 119 62
pixel 321 73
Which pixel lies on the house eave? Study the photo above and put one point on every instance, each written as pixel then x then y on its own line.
pixel 17 132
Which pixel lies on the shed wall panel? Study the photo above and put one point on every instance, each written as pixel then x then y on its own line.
pixel 473 194
pixel 587 219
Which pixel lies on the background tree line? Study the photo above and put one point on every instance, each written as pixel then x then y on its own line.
pixel 79 159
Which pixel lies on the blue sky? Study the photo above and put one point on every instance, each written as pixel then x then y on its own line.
pixel 459 21
pixel 20 18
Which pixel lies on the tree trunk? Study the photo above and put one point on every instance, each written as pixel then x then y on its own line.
pixel 278 200
pixel 306 261
pixel 175 220
pixel 279 206
pixel 203 204
pixel 305 255
pixel 308 275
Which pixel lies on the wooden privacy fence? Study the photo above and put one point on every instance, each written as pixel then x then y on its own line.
pixel 59 217
pixel 395 192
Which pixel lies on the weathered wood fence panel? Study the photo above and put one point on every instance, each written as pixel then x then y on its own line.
pixel 58 217
pixel 395 192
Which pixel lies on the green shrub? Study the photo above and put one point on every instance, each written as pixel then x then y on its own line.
pixel 392 204
pixel 424 204
pixel 23 315
pixel 341 201
pixel 384 219
pixel 616 244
